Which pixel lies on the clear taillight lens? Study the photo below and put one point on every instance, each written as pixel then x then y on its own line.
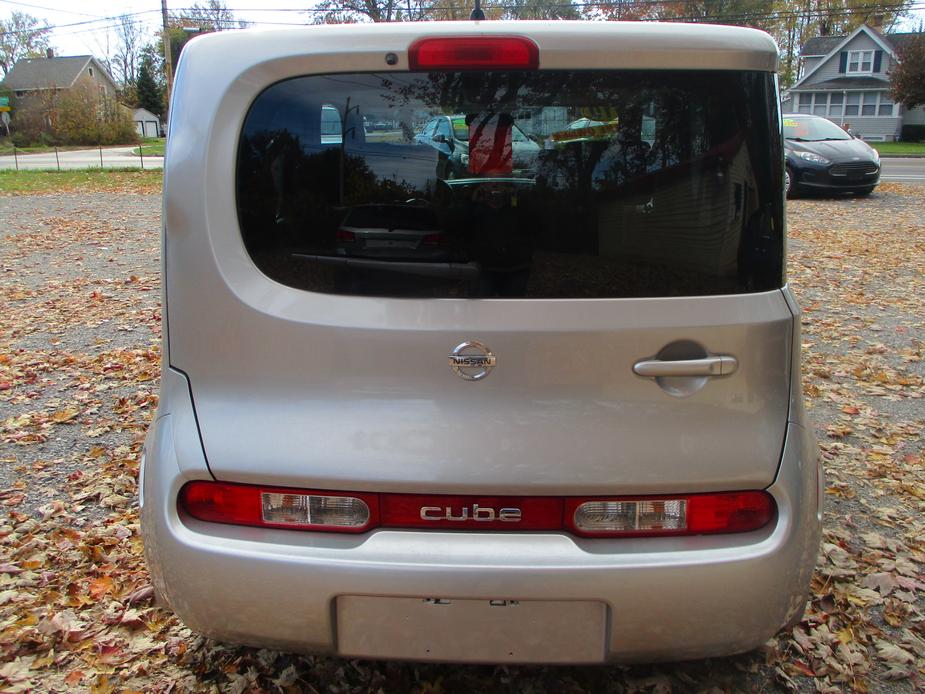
pixel 303 509
pixel 310 509
pixel 694 514
pixel 631 516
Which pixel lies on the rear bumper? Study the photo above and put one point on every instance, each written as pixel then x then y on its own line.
pixel 666 598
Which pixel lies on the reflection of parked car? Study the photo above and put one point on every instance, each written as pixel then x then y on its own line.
pixel 392 232
pixel 331 128
pixel 450 136
pixel 585 129
pixel 822 156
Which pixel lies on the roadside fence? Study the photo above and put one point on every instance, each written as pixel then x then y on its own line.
pixel 58 158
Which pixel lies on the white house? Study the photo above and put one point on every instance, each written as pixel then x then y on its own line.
pixel 146 123
pixel 846 79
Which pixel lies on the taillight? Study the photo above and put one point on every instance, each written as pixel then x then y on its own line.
pixel 435 240
pixel 344 235
pixel 696 514
pixel 641 516
pixel 474 53
pixel 274 507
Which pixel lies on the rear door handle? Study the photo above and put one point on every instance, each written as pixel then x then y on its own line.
pixel 721 365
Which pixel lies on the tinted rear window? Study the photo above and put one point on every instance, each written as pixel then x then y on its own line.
pixel 549 184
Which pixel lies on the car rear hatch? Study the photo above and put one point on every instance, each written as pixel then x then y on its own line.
pixel 611 323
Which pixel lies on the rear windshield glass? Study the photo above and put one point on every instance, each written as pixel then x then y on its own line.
pixel 546 184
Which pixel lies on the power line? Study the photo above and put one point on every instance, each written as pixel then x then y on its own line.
pixel 49 9
pixel 115 21
pixel 53 27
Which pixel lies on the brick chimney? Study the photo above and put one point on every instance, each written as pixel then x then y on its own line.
pixel 49 53
pixel 876 21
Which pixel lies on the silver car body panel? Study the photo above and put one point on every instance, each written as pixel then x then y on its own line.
pixel 667 598
pixel 268 384
pixel 354 392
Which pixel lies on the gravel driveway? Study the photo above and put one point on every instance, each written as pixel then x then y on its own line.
pixel 79 355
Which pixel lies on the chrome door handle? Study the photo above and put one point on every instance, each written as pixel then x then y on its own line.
pixel 721 365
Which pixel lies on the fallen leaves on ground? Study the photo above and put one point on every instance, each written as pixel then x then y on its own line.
pixel 78 385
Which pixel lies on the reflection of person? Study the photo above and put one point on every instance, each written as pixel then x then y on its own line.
pixel 500 241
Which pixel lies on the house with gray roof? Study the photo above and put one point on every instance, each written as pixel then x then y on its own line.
pixel 846 79
pixel 35 79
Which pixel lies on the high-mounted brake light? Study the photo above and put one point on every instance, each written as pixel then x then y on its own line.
pixel 435 240
pixel 474 53
pixel 354 512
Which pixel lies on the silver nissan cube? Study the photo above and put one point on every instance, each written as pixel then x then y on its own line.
pixel 478 345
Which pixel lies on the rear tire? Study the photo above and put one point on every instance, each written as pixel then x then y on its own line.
pixel 790 183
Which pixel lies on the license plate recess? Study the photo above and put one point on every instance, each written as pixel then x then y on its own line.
pixel 467 630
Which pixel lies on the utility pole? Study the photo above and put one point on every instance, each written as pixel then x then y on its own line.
pixel 168 61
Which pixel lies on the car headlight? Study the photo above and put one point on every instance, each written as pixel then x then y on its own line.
pixel 815 158
pixel 875 154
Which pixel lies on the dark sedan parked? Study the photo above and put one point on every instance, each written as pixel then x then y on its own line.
pixel 821 156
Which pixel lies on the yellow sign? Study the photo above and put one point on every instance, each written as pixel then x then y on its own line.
pixel 600 131
pixel 6 108
pixel 789 123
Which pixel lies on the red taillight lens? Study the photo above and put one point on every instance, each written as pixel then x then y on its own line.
pixel 474 53
pixel 696 514
pixel 344 235
pixel 354 512
pixel 277 507
pixel 435 240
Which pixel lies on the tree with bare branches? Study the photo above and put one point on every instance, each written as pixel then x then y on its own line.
pixel 21 36
pixel 126 58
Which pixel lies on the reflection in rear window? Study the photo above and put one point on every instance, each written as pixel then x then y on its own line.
pixel 547 184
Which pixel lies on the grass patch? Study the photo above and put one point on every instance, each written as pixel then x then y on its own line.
pixel 91 180
pixel 152 147
pixel 911 148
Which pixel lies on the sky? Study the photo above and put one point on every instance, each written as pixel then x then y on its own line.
pixel 92 20
pixel 96 17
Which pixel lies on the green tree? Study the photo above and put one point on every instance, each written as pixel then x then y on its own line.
pixel 198 18
pixel 351 11
pixel 150 94
pixel 209 16
pixel 84 116
pixel 907 79
pixel 539 9
pixel 21 36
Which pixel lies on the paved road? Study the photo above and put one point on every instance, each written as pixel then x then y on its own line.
pixel 903 170
pixel 894 169
pixel 113 157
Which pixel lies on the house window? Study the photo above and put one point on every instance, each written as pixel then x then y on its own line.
pixel 860 61
pixel 854 101
pixel 820 104
pixel 837 105
pixel 886 107
pixel 90 70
